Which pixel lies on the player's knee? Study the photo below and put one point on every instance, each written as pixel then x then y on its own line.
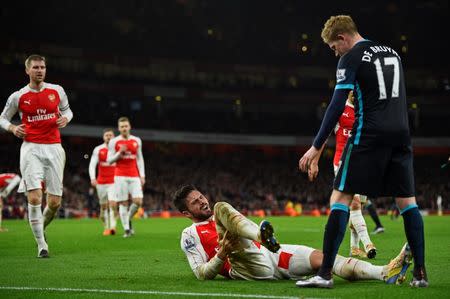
pixel 315 259
pixel 54 202
pixel 54 205
pixel 355 206
pixel 219 206
pixel 35 197
pixel 356 203
pixel 137 201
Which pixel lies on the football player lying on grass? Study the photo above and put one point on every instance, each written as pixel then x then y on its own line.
pixel 225 242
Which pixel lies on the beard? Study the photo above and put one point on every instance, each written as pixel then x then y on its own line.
pixel 203 215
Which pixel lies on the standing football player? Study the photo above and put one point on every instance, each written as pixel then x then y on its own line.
pixel 44 109
pixel 129 176
pixel 104 183
pixel 358 227
pixel 378 158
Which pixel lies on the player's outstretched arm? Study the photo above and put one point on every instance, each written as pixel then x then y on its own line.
pixel 330 120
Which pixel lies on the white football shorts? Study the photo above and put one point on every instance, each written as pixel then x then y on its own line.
pixel 105 192
pixel 42 163
pixel 125 186
pixel 293 261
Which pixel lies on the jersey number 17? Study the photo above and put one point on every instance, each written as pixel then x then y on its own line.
pixel 396 79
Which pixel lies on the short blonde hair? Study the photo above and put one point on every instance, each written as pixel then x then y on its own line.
pixel 33 57
pixel 123 119
pixel 336 25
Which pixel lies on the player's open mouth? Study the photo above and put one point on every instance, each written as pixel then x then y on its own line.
pixel 205 208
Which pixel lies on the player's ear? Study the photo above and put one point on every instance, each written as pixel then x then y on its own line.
pixel 340 37
pixel 187 214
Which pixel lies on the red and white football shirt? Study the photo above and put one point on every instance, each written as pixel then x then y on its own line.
pixel 199 242
pixel 343 131
pixel 132 163
pixel 39 110
pixel 106 171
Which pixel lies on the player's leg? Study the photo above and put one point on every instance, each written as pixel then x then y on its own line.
pixel 136 199
pixel 123 214
pixel 414 230
pixel 333 236
pixel 359 224
pixel 334 230
pixel 136 203
pixel 104 216
pixel 55 159
pixel 36 220
pixel 304 263
pixel 50 211
pixel 355 251
pixel 2 229
pixel 121 197
pixel 370 206
pixel 229 219
pixel 112 206
pixel 32 170
pixel 401 180
pixel 102 195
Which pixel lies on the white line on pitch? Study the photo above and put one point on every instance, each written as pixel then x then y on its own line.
pixel 148 292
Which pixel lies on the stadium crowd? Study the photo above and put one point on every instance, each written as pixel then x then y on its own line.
pixel 249 179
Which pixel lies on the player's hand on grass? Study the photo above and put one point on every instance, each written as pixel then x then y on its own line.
pixel 62 121
pixel 307 159
pixel 18 131
pixel 313 171
pixel 94 183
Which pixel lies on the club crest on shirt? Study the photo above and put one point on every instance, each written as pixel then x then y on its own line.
pixel 340 75
pixel 51 97
pixel 189 243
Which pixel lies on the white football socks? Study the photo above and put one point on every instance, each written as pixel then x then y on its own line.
pixel 236 223
pixel 359 224
pixel 112 218
pixel 353 269
pixel 37 226
pixel 48 215
pixel 354 238
pixel 123 213
pixel 133 209
pixel 105 217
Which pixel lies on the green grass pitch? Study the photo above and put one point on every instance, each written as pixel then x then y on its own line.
pixel 81 258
